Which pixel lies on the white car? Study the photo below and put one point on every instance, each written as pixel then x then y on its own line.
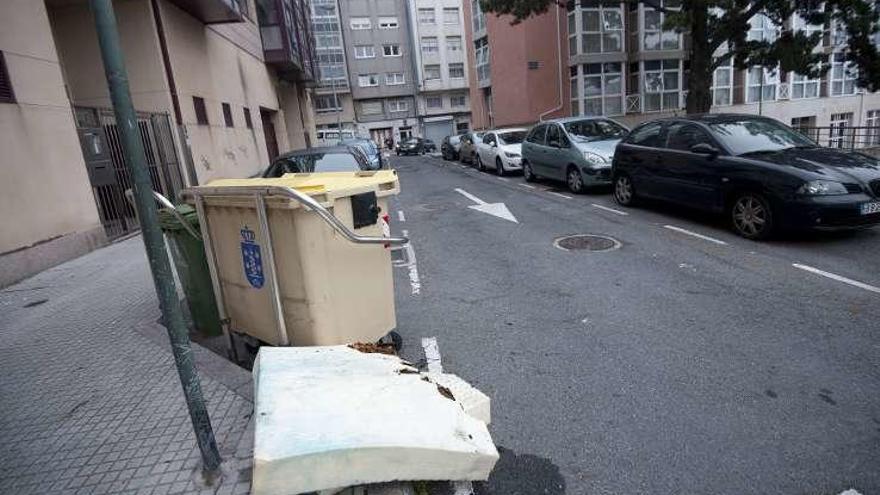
pixel 500 150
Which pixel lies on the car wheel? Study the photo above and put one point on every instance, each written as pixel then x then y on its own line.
pixel 479 164
pixel 624 192
pixel 752 216
pixel 528 175
pixel 574 180
pixel 499 167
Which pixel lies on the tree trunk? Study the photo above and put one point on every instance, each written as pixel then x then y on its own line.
pixel 699 98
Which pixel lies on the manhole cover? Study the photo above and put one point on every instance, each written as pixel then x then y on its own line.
pixel 586 242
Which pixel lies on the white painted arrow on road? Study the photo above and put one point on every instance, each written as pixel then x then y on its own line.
pixel 495 209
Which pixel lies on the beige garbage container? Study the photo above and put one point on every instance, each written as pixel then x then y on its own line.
pixel 331 290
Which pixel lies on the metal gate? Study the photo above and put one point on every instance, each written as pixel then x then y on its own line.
pixel 105 162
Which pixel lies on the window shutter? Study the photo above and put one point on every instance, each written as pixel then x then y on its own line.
pixel 6 94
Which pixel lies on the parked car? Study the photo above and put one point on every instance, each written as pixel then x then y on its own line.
pixel 369 147
pixel 411 146
pixel 500 150
pixel 576 150
pixel 323 159
pixel 430 146
pixel 759 172
pixel 450 146
pixel 467 149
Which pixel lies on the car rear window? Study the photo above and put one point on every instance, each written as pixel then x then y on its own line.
pixel 316 162
pixel 513 137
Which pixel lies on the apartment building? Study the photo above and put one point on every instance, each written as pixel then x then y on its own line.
pixel 382 71
pixel 617 61
pixel 442 68
pixel 220 86
pixel 334 106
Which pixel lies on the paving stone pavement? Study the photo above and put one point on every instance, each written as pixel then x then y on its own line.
pixel 90 401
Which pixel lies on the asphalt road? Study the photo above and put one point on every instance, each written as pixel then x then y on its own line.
pixel 674 364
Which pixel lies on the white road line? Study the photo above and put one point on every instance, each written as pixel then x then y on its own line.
pixel 413 267
pixel 502 178
pixel 470 196
pixel 432 355
pixel 694 234
pixel 839 278
pixel 401 216
pixel 612 210
pixel 526 185
pixel 559 194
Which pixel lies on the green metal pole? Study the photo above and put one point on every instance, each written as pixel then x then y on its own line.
pixel 126 122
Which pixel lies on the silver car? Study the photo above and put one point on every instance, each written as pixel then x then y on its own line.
pixel 577 150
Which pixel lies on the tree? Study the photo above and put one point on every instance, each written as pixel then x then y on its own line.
pixel 719 32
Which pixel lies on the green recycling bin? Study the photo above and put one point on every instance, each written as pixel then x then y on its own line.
pixel 192 268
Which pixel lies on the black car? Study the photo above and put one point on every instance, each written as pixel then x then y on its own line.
pixel 323 159
pixel 758 171
pixel 430 146
pixel 411 146
pixel 450 146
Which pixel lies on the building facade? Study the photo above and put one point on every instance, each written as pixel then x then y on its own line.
pixel 619 62
pixel 382 71
pixel 442 68
pixel 334 107
pixel 220 87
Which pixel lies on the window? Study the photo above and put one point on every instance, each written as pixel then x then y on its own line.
pixel 371 107
pixel 806 126
pixel 661 85
pixel 6 93
pixel 327 103
pixel 655 37
pixel 481 53
pixel 537 134
pixel 722 84
pixel 201 112
pixel 364 51
pixel 227 115
pixel 803 87
pixel 761 84
pixel 394 78
pixel 461 100
pixel 602 89
pixel 477 17
pixel 683 136
pixel 761 28
pixel 489 138
pixel 391 50
pixel 450 16
pixel 247 118
pixel 572 33
pixel 398 106
pixel 456 70
pixel 427 16
pixel 843 76
pixel 328 41
pixel 434 101
pixel 554 137
pixel 872 122
pixel 601 29
pixel 462 127
pixel 430 45
pixel 359 23
pixel 388 23
pixel 799 24
pixel 432 72
pixel 647 135
pixel 453 43
pixel 840 136
pixel 368 80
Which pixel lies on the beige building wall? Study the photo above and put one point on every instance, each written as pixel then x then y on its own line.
pixel 48 210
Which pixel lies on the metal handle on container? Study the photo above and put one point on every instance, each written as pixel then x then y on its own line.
pixel 304 199
pixel 129 195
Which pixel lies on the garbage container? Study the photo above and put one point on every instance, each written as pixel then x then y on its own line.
pixel 192 268
pixel 331 290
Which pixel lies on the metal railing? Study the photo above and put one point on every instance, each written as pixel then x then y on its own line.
pixel 844 137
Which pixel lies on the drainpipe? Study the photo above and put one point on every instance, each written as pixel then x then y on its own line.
pixel 559 59
pixel 160 266
pixel 414 62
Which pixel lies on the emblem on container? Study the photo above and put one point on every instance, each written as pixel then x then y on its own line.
pixel 252 258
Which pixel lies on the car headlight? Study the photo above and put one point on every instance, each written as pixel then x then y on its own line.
pixel 594 158
pixel 822 188
pixel 510 154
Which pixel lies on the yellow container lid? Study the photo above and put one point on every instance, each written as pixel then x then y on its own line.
pixel 332 184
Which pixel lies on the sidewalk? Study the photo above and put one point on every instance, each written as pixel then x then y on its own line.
pixel 91 401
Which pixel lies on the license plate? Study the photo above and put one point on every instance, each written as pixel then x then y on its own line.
pixel 869 208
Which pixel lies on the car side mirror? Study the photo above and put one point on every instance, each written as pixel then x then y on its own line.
pixel 494 144
pixel 704 149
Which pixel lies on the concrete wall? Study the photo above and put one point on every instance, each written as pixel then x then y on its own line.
pixel 48 211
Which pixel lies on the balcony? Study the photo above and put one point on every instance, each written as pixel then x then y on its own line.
pixel 288 44
pixel 214 11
